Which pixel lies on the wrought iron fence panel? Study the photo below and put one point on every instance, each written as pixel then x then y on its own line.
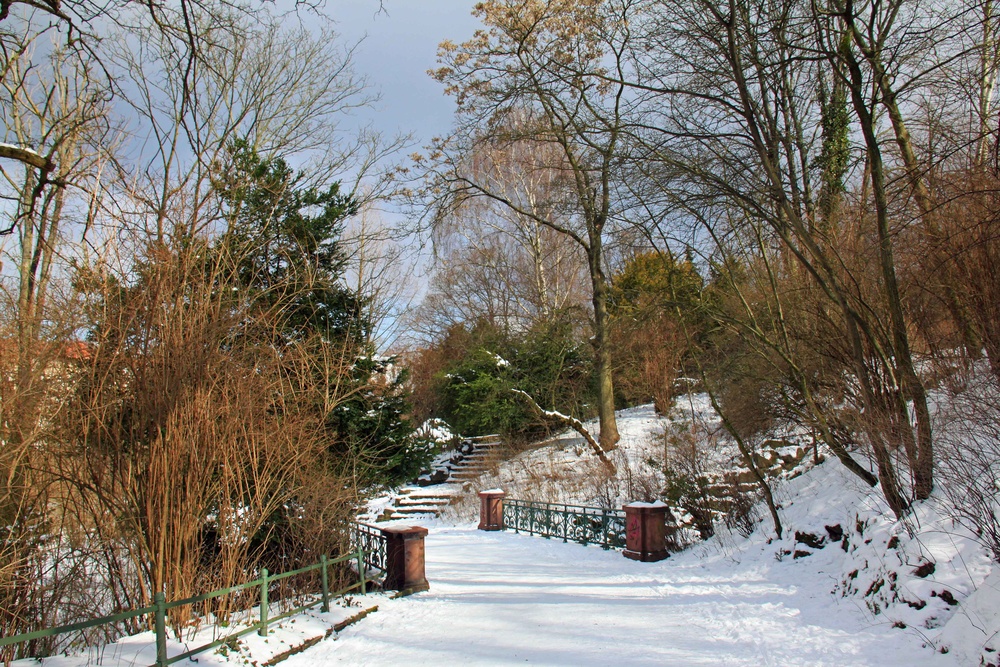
pixel 572 523
pixel 372 542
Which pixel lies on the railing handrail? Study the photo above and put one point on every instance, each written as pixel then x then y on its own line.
pixel 160 608
pixel 257 582
pixel 589 508
pixel 74 627
pixel 577 523
pixel 370 526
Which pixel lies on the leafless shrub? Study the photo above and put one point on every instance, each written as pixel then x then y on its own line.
pixel 202 451
pixel 743 513
pixel 40 568
pixel 969 457
pixel 651 350
pixel 687 482
pixel 633 481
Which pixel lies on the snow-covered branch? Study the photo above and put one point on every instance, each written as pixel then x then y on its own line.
pixel 573 423
pixel 27 156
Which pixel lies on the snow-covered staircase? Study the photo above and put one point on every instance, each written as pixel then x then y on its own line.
pixel 485 451
pixel 477 455
pixel 423 500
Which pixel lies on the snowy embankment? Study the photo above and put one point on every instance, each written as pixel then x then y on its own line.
pixel 285 638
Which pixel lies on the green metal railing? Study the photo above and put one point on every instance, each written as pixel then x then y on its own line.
pixel 160 607
pixel 573 523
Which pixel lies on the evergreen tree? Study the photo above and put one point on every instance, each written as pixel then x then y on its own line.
pixel 283 235
pixel 284 240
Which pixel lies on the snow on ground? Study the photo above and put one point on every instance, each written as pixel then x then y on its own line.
pixel 973 634
pixel 926 576
pixel 566 470
pixel 845 585
pixel 285 636
pixel 504 599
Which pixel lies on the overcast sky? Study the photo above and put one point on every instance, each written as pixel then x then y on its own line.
pixel 399 46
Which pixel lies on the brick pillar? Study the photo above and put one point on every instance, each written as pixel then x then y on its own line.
pixel 645 531
pixel 491 509
pixel 404 556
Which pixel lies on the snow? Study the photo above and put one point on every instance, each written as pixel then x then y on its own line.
pixel 846 584
pixel 435 491
pixel 290 634
pixel 566 470
pixel 436 430
pixel 499 598
pixel 975 629
pixel 500 361
pixel 22 149
pixel 912 577
pixel 641 505
pixel 504 599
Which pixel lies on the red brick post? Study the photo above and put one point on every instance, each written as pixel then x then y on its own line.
pixel 491 509
pixel 645 531
pixel 404 556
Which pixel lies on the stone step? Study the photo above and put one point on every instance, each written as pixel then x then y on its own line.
pixel 427 496
pixel 467 476
pixel 418 509
pixel 433 491
pixel 422 502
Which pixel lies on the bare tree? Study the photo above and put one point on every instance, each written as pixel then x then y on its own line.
pixel 735 128
pixel 531 88
pixel 381 270
pixel 497 266
pixel 56 103
pixel 260 85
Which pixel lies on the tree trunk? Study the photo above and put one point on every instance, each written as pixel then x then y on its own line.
pixel 602 353
pixel 920 452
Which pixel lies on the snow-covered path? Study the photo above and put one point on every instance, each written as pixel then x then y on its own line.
pixel 502 598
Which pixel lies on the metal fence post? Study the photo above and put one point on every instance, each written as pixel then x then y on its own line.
pixel 326 584
pixel 361 570
pixel 263 602
pixel 160 625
